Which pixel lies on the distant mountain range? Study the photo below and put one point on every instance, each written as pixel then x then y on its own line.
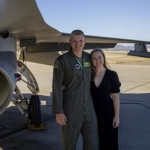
pixel 125 47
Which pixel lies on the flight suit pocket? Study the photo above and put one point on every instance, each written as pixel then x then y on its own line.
pixel 68 104
pixel 88 71
pixel 77 73
pixel 74 72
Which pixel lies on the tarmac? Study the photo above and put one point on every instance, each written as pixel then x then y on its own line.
pixel 134 129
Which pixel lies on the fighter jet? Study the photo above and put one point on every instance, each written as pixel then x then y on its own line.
pixel 23 29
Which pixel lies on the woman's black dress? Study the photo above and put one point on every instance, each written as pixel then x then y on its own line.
pixel 104 108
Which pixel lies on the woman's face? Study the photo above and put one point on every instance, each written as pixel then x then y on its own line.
pixel 97 59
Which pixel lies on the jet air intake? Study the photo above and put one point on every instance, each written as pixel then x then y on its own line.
pixel 6 90
pixel 8 68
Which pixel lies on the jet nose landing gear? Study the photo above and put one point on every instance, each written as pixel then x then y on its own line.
pixel 30 107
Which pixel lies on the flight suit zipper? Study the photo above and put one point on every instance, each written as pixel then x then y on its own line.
pixel 82 67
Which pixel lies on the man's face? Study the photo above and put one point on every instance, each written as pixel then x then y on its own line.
pixel 77 43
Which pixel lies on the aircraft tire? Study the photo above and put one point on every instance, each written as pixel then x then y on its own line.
pixel 35 110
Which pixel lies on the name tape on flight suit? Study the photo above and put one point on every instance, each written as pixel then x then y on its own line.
pixel 87 64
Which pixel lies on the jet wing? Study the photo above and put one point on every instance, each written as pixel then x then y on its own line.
pixel 23 21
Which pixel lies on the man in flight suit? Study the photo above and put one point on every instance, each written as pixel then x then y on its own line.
pixel 73 106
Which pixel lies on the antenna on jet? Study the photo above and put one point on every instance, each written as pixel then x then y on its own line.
pixel 4 34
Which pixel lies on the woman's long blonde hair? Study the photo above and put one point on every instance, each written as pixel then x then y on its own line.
pixel 106 65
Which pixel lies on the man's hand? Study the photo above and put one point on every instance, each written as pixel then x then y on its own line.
pixel 63 87
pixel 61 119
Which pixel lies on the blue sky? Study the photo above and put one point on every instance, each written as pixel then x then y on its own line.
pixel 129 19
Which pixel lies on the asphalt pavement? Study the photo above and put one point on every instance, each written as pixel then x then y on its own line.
pixel 134 129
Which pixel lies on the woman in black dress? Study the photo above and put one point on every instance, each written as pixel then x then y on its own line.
pixel 105 92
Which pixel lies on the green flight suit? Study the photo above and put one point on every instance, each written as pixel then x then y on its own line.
pixel 75 101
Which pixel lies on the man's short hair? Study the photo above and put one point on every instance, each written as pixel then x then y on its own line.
pixel 76 32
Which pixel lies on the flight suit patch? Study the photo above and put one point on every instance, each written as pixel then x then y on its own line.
pixel 87 64
pixel 77 66
pixel 56 64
